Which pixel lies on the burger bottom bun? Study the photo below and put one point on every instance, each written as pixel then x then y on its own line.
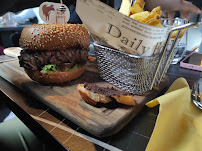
pixel 56 77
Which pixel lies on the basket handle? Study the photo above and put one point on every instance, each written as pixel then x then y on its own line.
pixel 179 28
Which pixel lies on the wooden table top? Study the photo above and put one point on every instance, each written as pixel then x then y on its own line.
pixel 62 134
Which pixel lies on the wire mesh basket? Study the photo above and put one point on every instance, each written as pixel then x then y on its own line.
pixel 135 74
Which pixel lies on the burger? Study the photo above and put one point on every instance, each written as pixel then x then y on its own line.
pixel 54 53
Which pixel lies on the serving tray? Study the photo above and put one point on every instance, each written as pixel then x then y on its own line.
pixel 100 121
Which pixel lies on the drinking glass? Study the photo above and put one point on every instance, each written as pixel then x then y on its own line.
pixel 180 48
pixel 9 19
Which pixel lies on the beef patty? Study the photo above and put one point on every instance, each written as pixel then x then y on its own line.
pixel 35 60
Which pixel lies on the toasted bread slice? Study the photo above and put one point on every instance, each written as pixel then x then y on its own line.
pixel 102 95
pixel 92 98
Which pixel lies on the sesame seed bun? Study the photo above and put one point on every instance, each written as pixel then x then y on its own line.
pixel 56 77
pixel 54 37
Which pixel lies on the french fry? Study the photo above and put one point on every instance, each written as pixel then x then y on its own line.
pixel 159 25
pixel 153 21
pixel 140 16
pixel 91 58
pixel 174 33
pixel 156 11
pixel 136 12
pixel 125 7
pixel 141 3
pixel 135 9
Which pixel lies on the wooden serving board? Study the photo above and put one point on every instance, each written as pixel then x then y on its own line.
pixel 99 121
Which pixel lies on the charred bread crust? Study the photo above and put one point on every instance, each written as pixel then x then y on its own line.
pixel 125 99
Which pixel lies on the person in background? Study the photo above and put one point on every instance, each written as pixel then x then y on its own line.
pixel 169 7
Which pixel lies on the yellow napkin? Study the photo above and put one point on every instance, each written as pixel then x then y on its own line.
pixel 179 123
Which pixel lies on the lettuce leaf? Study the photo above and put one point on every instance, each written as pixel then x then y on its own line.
pixel 75 67
pixel 53 67
pixel 50 67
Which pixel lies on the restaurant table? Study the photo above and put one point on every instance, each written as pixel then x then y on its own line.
pixel 59 133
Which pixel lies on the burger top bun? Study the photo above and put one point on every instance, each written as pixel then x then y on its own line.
pixel 54 37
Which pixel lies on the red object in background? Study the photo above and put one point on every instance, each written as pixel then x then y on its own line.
pixel 1 50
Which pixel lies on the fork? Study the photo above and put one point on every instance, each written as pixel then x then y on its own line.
pixel 195 95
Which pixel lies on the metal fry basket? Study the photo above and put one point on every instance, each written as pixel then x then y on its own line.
pixel 135 74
